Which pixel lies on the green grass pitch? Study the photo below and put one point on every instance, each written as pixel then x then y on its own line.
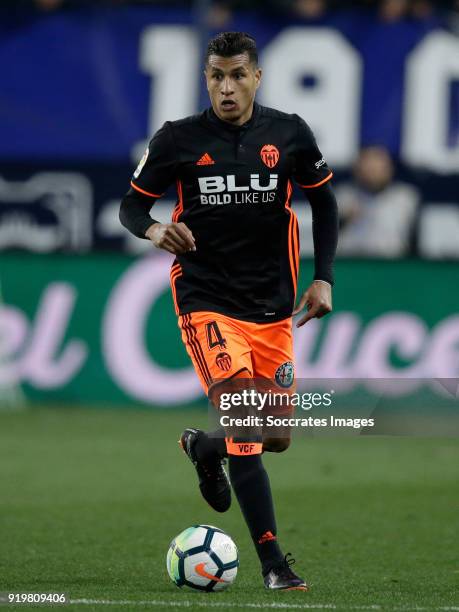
pixel 90 499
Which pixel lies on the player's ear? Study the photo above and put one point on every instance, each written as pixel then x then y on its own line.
pixel 258 73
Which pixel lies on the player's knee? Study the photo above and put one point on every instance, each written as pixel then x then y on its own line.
pixel 276 445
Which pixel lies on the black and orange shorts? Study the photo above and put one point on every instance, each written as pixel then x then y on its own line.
pixel 222 349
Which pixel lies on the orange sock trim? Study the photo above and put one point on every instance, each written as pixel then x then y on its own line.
pixel 243 448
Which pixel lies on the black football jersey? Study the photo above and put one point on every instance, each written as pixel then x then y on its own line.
pixel 234 186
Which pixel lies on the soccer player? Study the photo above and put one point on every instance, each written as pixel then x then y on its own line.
pixel 234 277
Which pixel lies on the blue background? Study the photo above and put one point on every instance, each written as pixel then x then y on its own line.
pixel 71 86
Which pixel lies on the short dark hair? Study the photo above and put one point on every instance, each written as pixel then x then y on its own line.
pixel 227 44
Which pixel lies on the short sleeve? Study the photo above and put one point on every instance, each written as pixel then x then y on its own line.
pixel 157 168
pixel 311 169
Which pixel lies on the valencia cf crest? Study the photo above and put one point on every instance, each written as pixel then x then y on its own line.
pixel 270 155
pixel 223 360
pixel 285 374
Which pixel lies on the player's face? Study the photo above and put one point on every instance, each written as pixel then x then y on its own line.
pixel 232 83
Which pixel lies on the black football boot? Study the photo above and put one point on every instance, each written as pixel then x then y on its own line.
pixel 213 480
pixel 281 577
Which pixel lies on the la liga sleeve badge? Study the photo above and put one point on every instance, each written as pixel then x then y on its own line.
pixel 142 163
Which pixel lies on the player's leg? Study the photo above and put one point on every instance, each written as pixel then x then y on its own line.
pixel 252 488
pixel 248 476
pixel 217 351
pixel 272 358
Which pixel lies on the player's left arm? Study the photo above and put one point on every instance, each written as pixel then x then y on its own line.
pixel 318 297
pixel 313 176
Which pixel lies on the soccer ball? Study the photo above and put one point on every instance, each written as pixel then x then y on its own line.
pixel 202 557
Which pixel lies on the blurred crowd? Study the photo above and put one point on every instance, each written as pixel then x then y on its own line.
pixel 377 212
pixel 388 10
pixel 380 215
pixel 219 13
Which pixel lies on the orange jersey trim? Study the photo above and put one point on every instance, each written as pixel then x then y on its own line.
pixel 179 206
pixel 296 243
pixel 292 239
pixel 175 272
pixel 147 193
pixel 317 184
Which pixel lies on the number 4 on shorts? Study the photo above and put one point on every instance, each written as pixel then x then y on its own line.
pixel 214 336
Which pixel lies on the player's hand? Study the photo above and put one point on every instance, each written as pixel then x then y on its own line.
pixel 173 237
pixel 317 299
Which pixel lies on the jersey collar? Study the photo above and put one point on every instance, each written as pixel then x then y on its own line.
pixel 215 120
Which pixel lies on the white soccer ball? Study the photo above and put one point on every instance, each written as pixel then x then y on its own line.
pixel 202 557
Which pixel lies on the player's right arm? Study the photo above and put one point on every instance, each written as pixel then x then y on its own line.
pixel 173 237
pixel 155 172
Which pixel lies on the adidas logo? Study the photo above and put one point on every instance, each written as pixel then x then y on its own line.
pixel 268 536
pixel 205 160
